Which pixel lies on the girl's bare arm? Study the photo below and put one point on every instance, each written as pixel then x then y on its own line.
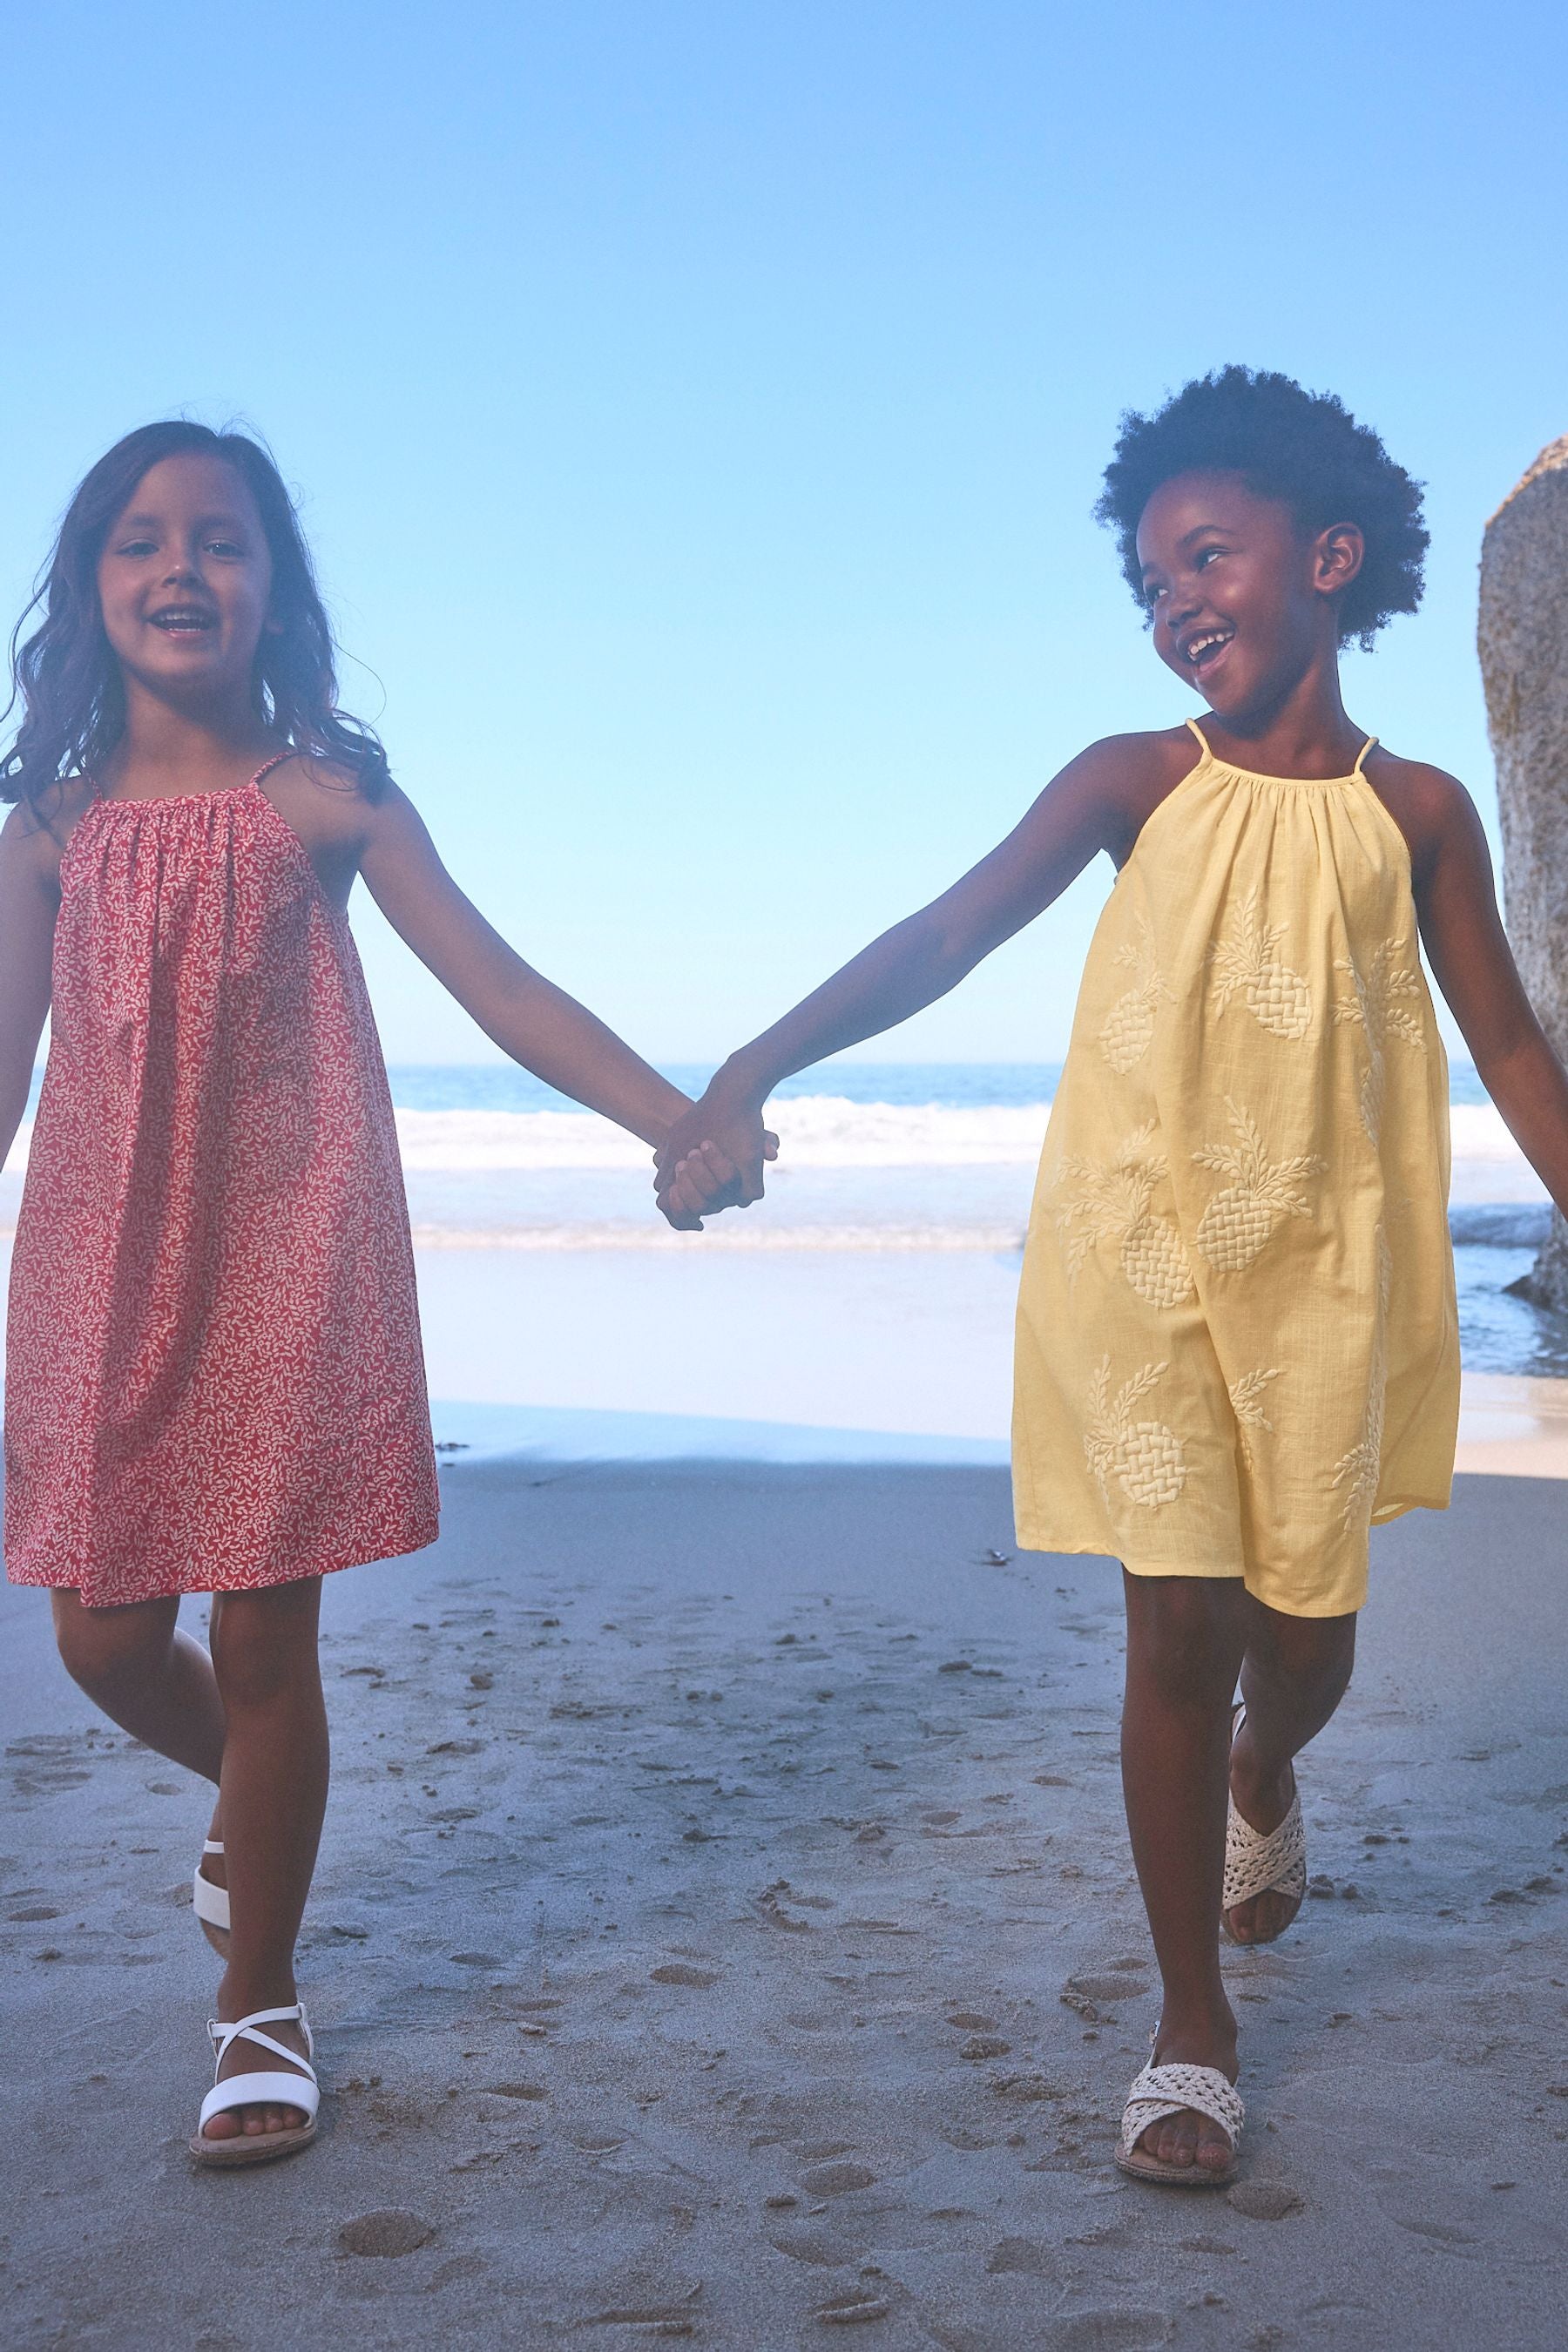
pixel 29 900
pixel 1097 801
pixel 1461 928
pixel 526 1014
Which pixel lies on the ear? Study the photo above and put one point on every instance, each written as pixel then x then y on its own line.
pixel 271 626
pixel 1337 555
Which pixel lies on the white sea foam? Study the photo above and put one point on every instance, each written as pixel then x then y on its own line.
pixel 723 1233
pixel 821 1132
pixel 815 1130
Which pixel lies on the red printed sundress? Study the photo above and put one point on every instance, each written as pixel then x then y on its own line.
pixel 213 1376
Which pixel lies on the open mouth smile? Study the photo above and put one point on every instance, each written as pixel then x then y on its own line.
pixel 1201 648
pixel 183 620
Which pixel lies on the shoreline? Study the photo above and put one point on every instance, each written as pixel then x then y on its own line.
pixel 1512 1426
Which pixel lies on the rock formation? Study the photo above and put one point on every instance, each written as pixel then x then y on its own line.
pixel 1523 641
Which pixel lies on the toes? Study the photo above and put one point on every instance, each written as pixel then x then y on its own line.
pixel 222 2126
pixel 1173 2141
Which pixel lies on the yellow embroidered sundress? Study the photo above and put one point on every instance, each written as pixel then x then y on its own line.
pixel 1237 1344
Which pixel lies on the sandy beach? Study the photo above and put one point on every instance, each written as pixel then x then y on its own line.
pixel 725 1931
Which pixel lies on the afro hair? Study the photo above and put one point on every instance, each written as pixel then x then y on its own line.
pixel 1304 448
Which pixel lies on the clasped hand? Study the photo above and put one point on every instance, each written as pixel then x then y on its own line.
pixel 712 1159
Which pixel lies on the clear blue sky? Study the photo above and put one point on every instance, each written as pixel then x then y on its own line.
pixel 697 409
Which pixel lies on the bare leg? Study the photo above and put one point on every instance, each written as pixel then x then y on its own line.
pixel 152 1680
pixel 147 1676
pixel 1294 1675
pixel 273 1796
pixel 1185 1639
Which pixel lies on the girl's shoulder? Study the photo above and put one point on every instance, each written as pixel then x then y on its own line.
pixel 323 800
pixel 1430 807
pixel 1130 775
pixel 1158 752
pixel 36 832
pixel 1416 783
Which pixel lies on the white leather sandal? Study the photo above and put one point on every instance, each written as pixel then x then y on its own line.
pixel 210 1902
pixel 300 2090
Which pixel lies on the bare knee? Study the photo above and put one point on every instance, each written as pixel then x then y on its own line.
pixel 1182 1635
pixel 109 1651
pixel 1309 1656
pixel 262 1642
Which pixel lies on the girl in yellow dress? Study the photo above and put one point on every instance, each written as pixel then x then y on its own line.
pixel 1237 1342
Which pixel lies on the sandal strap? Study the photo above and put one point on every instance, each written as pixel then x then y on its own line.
pixel 209 1901
pixel 1161 2091
pixel 1264 1863
pixel 212 1845
pixel 301 2091
pixel 244 2029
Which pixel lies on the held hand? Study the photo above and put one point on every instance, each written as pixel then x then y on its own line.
pixel 697 1186
pixel 728 1129
pixel 703 1181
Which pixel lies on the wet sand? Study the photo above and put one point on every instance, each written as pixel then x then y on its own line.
pixel 725 1931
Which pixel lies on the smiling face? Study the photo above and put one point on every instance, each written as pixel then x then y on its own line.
pixel 185 580
pixel 1243 600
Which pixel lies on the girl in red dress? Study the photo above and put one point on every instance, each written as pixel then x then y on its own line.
pixel 213 1375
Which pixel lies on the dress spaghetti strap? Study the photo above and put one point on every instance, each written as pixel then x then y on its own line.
pixel 1208 753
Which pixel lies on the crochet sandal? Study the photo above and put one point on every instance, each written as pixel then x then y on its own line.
pixel 1257 1863
pixel 293 2090
pixel 210 1902
pixel 1161 2091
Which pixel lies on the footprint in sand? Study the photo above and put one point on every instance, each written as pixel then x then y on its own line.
pixel 803 2243
pixel 1110 2331
pixel 1026 2254
pixel 1264 2200
pixel 390 2231
pixel 852 2311
pixel 836 2180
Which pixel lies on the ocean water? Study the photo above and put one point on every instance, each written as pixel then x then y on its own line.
pixel 894 1157
pixel 894 1164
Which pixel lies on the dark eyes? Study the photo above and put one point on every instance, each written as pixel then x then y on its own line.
pixel 1206 556
pixel 139 546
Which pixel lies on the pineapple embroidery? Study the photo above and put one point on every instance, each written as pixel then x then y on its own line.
pixel 1278 998
pixel 1111 1200
pixel 1378 1003
pixel 1239 1220
pixel 1144 1457
pixel 1129 1027
pixel 1246 1404
pixel 1359 1471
